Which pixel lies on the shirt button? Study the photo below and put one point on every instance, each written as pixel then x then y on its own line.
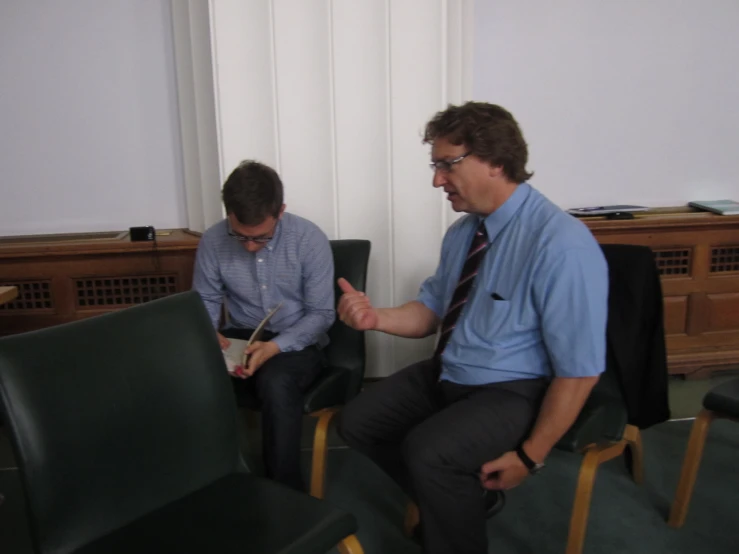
pixel 260 260
pixel 264 286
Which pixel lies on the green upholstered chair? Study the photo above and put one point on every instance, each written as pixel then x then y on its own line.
pixel 124 428
pixel 342 379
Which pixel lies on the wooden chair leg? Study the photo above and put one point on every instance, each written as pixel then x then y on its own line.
pixel 689 470
pixel 320 451
pixel 632 436
pixel 412 517
pixel 594 456
pixel 350 545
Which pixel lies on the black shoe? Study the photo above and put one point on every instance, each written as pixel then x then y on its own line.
pixel 494 502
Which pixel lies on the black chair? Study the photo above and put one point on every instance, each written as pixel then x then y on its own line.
pixel 125 432
pixel 610 422
pixel 606 426
pixel 342 379
pixel 721 402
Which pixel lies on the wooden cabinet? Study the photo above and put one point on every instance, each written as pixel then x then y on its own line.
pixel 62 278
pixel 698 257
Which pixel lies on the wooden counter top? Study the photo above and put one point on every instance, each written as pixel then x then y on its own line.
pixel 75 244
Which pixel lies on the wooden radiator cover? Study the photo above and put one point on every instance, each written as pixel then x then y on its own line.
pixel 698 257
pixel 62 278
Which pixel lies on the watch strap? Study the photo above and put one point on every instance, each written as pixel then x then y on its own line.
pixel 530 464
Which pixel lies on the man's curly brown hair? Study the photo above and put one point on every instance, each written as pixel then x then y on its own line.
pixel 487 131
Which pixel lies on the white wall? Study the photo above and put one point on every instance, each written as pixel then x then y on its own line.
pixel 631 101
pixel 335 95
pixel 88 110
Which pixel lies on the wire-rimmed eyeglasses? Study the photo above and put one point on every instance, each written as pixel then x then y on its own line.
pixel 447 165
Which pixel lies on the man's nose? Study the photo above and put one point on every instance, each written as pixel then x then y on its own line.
pixel 439 179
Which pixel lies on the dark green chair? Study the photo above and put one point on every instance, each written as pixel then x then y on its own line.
pixel 600 433
pixel 721 402
pixel 609 423
pixel 341 379
pixel 345 355
pixel 125 432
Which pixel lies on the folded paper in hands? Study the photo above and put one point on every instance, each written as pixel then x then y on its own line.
pixel 237 360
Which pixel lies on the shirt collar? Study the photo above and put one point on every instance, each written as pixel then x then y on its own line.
pixel 496 221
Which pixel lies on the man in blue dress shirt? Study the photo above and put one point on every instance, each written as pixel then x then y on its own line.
pixel 258 257
pixel 519 300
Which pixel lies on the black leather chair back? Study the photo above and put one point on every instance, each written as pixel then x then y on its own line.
pixel 117 415
pixel 347 348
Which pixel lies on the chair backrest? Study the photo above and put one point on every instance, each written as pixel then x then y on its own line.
pixel 114 416
pixel 347 347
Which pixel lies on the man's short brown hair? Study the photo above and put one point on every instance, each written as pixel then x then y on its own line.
pixel 253 192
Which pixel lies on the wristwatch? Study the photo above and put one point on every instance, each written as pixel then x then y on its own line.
pixel 532 466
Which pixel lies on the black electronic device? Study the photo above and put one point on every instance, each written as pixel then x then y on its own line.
pixel 139 234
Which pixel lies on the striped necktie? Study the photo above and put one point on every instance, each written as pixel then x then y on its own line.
pixel 474 256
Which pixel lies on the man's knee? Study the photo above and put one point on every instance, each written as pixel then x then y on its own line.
pixel 277 387
pixel 424 452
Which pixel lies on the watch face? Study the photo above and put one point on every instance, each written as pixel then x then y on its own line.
pixel 537 468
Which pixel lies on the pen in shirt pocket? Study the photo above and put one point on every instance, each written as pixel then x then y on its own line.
pixel 496 296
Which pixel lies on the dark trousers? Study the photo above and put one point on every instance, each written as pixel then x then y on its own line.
pixel 276 389
pixel 432 438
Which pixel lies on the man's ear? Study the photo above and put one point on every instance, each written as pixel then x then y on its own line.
pixel 495 171
pixel 282 211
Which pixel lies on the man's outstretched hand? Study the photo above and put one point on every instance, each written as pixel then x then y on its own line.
pixel 355 308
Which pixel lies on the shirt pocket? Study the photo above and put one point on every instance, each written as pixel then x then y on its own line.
pixel 491 315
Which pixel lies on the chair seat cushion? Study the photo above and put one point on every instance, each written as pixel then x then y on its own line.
pixel 329 389
pixel 724 398
pixel 602 419
pixel 239 513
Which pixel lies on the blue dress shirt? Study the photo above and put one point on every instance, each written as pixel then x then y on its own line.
pixel 538 307
pixel 296 268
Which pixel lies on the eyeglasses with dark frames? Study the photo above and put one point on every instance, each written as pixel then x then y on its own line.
pixel 262 239
pixel 447 165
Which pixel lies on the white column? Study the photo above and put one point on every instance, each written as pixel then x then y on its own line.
pixel 197 109
pixel 335 94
